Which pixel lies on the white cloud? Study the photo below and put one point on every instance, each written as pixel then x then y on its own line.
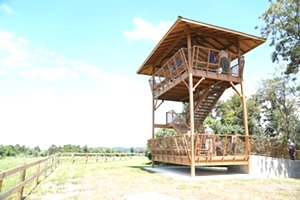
pixel 22 40
pixel 7 9
pixel 15 51
pixel 38 63
pixel 93 71
pixel 145 30
pixel 112 111
pixel 46 73
pixel 118 115
pixel 50 53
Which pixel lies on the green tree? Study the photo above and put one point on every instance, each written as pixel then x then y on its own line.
pixel 282 24
pixel 277 98
pixel 37 148
pixel 85 149
pixel 132 150
pixel 165 132
pixel 52 149
pixel 229 116
pixel 17 148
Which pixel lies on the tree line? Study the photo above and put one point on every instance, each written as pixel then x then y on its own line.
pixel 18 150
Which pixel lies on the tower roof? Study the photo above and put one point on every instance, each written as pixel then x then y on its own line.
pixel 202 34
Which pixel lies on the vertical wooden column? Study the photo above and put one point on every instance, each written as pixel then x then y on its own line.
pixel 191 97
pixel 245 118
pixel 153 121
pixel 245 114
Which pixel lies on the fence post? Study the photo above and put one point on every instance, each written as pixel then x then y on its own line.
pixel 73 155
pixel 57 160
pixel 22 178
pixel 1 182
pixel 52 163
pixel 46 165
pixel 86 157
pixel 37 170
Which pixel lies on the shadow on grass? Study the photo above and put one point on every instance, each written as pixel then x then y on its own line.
pixel 156 164
pixel 34 187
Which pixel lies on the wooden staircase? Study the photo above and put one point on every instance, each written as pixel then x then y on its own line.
pixel 204 103
pixel 177 122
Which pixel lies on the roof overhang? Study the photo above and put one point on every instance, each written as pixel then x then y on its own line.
pixel 202 34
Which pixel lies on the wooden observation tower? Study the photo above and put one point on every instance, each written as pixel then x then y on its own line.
pixel 183 69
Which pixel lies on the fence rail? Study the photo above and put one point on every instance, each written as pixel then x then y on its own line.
pixel 103 157
pixel 50 163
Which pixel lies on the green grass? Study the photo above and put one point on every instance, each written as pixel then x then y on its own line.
pixel 11 162
pixel 115 179
pixel 13 180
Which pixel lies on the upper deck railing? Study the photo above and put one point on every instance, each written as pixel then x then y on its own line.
pixel 208 60
pixel 202 59
pixel 175 66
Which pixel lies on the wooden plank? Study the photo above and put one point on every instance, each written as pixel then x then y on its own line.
pixel 21 188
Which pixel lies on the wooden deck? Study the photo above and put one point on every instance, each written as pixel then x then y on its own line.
pixel 177 150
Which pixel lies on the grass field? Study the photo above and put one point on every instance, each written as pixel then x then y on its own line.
pixel 13 180
pixel 115 179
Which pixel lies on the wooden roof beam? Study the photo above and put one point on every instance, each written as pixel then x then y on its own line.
pixel 170 47
pixel 213 35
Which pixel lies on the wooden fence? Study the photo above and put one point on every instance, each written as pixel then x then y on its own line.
pixel 272 149
pixel 42 167
pixel 47 165
pixel 97 157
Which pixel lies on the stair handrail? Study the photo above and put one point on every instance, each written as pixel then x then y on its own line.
pixel 176 119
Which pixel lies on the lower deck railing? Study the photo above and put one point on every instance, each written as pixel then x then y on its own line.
pixel 208 149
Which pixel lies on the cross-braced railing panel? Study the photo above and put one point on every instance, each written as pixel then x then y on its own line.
pixel 173 68
pixel 207 59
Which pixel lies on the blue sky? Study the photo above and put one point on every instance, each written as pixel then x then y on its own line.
pixel 68 68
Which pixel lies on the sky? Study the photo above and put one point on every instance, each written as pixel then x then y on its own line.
pixel 68 68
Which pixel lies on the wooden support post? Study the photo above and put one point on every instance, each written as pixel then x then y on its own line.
pixel 191 102
pixel 153 122
pixel 248 146
pixel 22 178
pixel 37 170
pixel 245 118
